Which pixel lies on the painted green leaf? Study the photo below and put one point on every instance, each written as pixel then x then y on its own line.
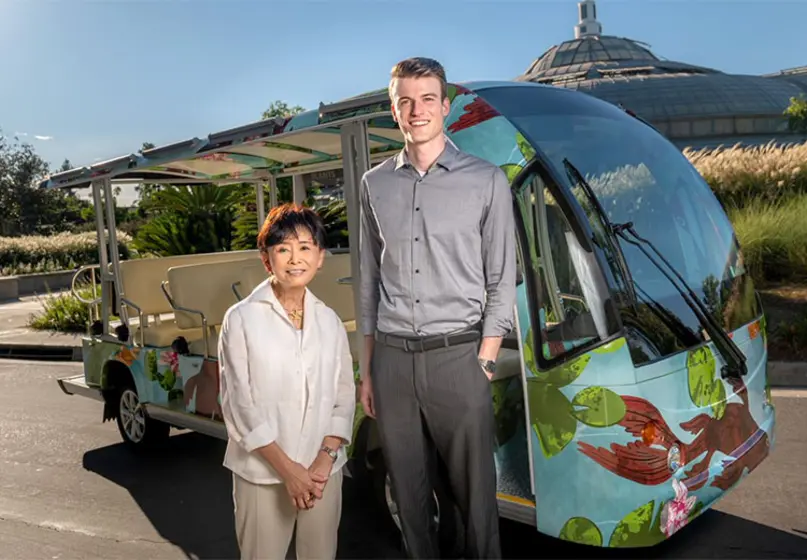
pixel 529 354
pixel 696 509
pixel 498 389
pixel 763 328
pixel 568 372
pixel 511 170
pixel 550 416
pixel 701 366
pixel 168 380
pixel 175 395
pixel 718 399
pixel 612 346
pixel 602 407
pixel 508 409
pixel 525 147
pixel 581 530
pixel 704 388
pixel 637 528
pixel 151 366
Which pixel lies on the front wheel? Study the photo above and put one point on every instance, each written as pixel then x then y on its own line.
pixel 136 428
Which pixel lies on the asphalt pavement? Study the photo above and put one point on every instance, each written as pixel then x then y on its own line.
pixel 69 489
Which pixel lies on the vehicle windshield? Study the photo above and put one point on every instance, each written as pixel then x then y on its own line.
pixel 640 177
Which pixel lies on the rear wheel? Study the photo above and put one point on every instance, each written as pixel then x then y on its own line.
pixel 447 519
pixel 136 428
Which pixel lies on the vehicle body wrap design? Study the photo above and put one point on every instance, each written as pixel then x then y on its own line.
pixel 607 453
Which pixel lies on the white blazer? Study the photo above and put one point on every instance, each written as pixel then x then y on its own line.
pixel 277 387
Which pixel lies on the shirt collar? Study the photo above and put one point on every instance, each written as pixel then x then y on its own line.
pixel 264 292
pixel 446 159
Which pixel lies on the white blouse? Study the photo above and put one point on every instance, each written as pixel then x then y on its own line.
pixel 280 384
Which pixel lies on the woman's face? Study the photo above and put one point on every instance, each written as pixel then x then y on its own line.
pixel 295 261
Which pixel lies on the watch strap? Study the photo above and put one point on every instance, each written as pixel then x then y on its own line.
pixel 330 452
pixel 488 365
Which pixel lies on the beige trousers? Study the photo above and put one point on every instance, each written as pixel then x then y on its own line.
pixel 265 520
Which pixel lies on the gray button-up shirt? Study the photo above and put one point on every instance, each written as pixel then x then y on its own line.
pixel 437 252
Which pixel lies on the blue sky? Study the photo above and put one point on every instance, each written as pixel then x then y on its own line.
pixel 93 79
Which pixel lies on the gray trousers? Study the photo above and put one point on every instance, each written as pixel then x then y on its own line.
pixel 438 398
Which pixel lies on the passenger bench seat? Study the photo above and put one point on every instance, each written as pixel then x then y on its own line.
pixel 206 288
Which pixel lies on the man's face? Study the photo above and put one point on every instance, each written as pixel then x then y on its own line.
pixel 418 108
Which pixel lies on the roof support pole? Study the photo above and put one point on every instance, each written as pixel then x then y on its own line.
pixel 103 261
pixel 272 191
pixel 260 203
pixel 298 189
pixel 355 163
pixel 114 256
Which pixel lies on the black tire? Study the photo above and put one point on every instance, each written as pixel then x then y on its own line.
pixel 448 519
pixel 139 432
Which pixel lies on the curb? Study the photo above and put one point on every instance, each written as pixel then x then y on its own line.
pixel 788 374
pixel 41 352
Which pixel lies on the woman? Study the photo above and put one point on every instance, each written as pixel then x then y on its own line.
pixel 288 397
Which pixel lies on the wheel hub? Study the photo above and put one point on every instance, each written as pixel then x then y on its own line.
pixel 132 416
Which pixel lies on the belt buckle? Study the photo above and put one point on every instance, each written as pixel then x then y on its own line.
pixel 411 348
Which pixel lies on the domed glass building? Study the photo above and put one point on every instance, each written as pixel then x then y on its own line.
pixel 691 105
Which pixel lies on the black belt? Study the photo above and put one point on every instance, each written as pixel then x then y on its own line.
pixel 431 342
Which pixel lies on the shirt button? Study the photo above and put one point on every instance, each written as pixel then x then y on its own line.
pixel 417 209
pixel 417 238
pixel 417 271
pixel 417 301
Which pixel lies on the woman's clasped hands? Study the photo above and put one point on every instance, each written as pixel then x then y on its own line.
pixel 306 485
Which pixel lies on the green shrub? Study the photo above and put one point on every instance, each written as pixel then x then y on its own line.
pixel 64 312
pixel 50 253
pixel 773 237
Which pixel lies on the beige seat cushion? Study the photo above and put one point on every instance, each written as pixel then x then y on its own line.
pixel 352 338
pixel 163 334
pixel 197 346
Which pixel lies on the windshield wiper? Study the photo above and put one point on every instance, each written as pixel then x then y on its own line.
pixel 610 230
pixel 735 360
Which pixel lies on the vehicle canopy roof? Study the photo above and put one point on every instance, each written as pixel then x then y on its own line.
pixel 307 142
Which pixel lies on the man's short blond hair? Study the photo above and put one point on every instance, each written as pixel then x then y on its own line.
pixel 419 67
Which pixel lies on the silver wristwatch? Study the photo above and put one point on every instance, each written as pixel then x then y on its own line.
pixel 488 365
pixel 331 453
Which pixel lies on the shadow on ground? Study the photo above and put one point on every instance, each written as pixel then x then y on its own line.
pixel 185 493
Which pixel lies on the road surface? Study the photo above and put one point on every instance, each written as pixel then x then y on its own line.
pixel 68 489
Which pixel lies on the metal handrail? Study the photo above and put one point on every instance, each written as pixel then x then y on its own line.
pixel 91 304
pixel 175 307
pixel 140 318
pixel 235 290
pixel 75 292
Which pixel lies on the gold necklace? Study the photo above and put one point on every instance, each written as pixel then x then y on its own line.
pixel 295 314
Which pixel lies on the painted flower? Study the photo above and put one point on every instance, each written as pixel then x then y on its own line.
pixel 675 514
pixel 171 359
pixel 127 355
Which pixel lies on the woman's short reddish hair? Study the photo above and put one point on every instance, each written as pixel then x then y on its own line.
pixel 283 222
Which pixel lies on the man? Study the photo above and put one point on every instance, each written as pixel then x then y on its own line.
pixel 437 238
